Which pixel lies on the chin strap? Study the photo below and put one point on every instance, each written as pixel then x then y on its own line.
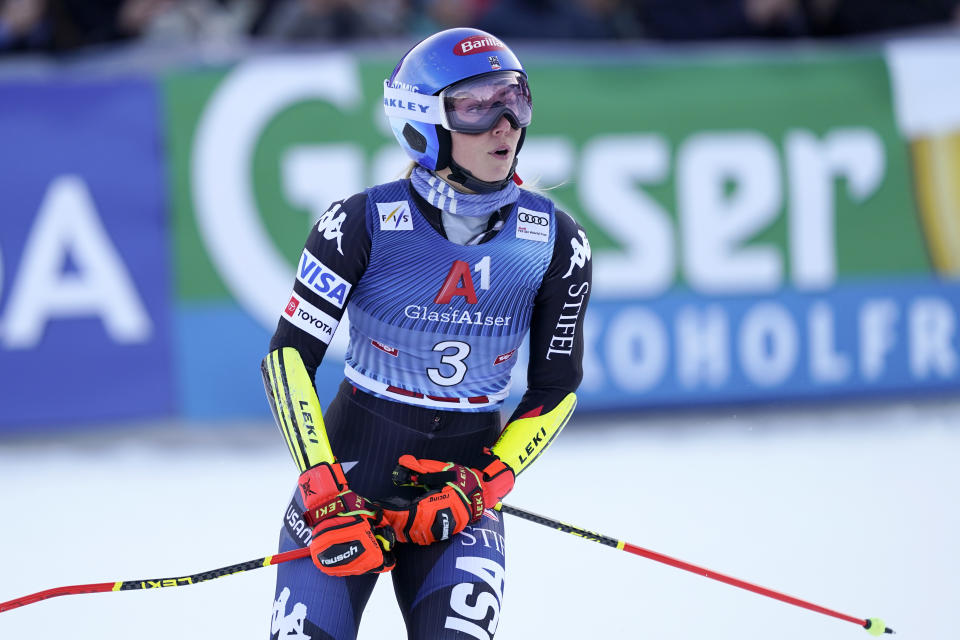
pixel 462 176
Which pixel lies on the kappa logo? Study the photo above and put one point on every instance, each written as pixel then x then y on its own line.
pixel 329 225
pixel 286 625
pixel 581 252
pixel 305 488
pixel 395 216
pixel 533 225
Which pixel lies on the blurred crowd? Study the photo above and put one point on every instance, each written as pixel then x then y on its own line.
pixel 58 26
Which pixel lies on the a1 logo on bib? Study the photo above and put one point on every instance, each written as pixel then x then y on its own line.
pixel 533 225
pixel 395 216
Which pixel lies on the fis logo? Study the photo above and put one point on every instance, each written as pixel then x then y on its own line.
pixel 533 225
pixel 494 62
pixel 307 317
pixel 322 279
pixel 395 216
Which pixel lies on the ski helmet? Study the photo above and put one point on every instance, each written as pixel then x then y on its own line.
pixel 419 97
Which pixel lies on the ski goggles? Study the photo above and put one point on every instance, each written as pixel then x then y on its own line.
pixel 474 105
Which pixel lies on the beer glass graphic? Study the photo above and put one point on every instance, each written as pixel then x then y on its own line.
pixel 925 79
pixel 936 167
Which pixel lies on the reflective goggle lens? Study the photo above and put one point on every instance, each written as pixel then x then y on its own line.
pixel 475 105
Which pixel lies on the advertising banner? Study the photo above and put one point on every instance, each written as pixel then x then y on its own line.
pixel 857 338
pixel 84 289
pixel 761 228
pixel 742 214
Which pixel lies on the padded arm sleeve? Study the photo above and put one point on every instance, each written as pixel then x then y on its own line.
pixel 296 408
pixel 524 439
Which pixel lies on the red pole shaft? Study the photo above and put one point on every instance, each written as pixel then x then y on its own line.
pixel 152 583
pixel 686 566
pixel 736 582
pixel 53 593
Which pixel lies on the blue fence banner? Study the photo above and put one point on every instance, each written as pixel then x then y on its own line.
pixel 859 338
pixel 84 267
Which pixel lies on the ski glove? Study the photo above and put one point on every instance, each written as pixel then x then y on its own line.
pixel 351 536
pixel 456 496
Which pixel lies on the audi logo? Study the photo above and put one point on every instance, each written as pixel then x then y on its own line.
pixel 532 219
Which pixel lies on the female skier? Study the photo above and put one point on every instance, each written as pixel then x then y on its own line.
pixel 444 273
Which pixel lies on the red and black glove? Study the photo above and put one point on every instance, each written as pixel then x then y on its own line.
pixel 351 536
pixel 456 496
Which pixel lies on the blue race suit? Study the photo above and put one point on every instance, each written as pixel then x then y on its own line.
pixel 434 331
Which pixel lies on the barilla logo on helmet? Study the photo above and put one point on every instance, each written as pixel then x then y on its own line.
pixel 477 44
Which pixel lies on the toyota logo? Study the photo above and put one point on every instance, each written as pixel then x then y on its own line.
pixel 532 219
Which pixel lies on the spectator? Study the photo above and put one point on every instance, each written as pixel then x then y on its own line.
pixel 558 19
pixel 718 19
pixel 848 17
pixel 23 24
pixel 430 16
pixel 330 19
pixel 184 21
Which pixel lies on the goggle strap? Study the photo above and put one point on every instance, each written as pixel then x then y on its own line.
pixel 400 103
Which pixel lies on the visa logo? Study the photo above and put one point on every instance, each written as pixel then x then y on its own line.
pixel 322 279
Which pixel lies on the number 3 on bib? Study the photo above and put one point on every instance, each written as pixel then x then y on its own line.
pixel 454 360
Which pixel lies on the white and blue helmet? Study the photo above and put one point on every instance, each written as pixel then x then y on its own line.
pixel 456 80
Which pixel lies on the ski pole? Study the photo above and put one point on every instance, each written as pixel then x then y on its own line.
pixel 874 626
pixel 156 583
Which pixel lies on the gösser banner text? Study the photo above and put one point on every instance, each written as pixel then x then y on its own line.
pixel 761 228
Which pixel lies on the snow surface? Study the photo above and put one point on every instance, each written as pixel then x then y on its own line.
pixel 853 508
